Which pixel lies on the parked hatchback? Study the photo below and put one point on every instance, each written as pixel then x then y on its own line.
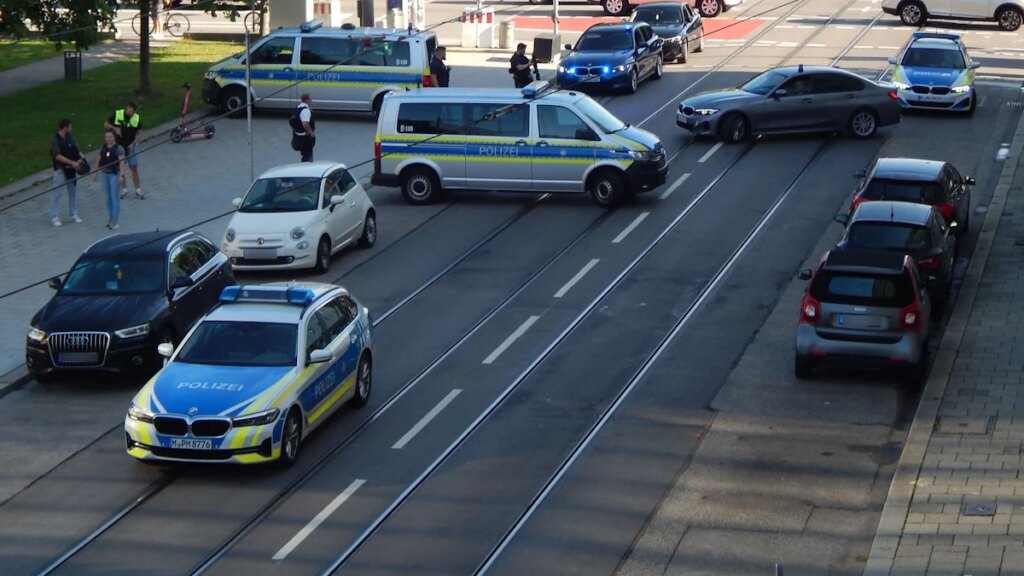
pixel 865 307
pixel 916 230
pixel 125 295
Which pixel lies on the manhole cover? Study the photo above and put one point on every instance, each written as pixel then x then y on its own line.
pixel 980 509
pixel 972 425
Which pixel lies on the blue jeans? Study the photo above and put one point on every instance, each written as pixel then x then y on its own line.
pixel 112 193
pixel 58 179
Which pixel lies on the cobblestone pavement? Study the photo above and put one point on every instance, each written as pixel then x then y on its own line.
pixel 956 504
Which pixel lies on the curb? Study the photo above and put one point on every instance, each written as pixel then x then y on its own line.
pixel 901 490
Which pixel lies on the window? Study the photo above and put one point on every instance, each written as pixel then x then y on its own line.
pixel 283 194
pixel 500 120
pixel 278 50
pixel 333 319
pixel 316 335
pixel 324 51
pixel 330 183
pixel 662 15
pixel 891 291
pixel 186 259
pixel 646 32
pixel 240 344
pixel 558 122
pixel 379 52
pixel 349 308
pixel 799 86
pixel 428 118
pixel 638 38
pixel 763 83
pixel 920 57
pixel 902 190
pixel 598 115
pixel 955 178
pixel 338 183
pixel 598 40
pixel 346 182
pixel 115 275
pixel 830 83
pixel 887 236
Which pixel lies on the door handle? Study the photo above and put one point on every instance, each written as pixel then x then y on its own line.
pixel 542 143
pixel 807 100
pixel 287 69
pixel 353 203
pixel 521 142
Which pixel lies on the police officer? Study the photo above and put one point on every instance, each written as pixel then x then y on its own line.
pixel 127 125
pixel 304 129
pixel 439 71
pixel 520 68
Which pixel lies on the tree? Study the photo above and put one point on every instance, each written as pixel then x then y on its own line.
pixel 75 22
pixel 145 85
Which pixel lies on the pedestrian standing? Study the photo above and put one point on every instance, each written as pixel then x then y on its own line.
pixel 154 15
pixel 127 125
pixel 65 155
pixel 110 165
pixel 439 71
pixel 303 128
pixel 520 67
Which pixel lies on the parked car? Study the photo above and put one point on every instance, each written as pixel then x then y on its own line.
pixel 1008 14
pixel 935 72
pixel 792 99
pixel 677 24
pixel 916 230
pixel 125 295
pixel 864 307
pixel 617 56
pixel 930 182
pixel 707 8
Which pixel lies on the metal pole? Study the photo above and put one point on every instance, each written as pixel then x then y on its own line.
pixel 554 18
pixel 248 101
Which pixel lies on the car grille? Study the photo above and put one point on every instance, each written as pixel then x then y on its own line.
pixel 930 104
pixel 940 90
pixel 937 90
pixel 585 71
pixel 79 349
pixel 208 428
pixel 171 425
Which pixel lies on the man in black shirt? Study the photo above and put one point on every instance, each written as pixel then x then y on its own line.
pixel 65 155
pixel 127 124
pixel 439 71
pixel 520 68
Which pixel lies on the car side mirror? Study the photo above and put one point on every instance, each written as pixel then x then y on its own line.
pixel 843 219
pixel 586 134
pixel 237 203
pixel 319 356
pixel 182 282
pixel 970 181
pixel 780 93
pixel 337 199
pixel 805 274
pixel 860 174
pixel 893 60
pixel 55 283
pixel 975 65
pixel 165 349
pixel 568 46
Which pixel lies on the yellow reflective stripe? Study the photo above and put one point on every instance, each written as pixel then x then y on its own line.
pixel 357 84
pixel 138 452
pixel 288 391
pixel 267 395
pixel 628 142
pixel 330 400
pixel 249 458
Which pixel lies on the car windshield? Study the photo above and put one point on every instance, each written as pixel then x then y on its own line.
pixel 660 15
pixel 597 113
pixel 113 275
pixel 606 40
pixel 901 190
pixel 933 58
pixel 240 344
pixel 282 195
pixel 763 83
pixel 887 236
pixel 888 291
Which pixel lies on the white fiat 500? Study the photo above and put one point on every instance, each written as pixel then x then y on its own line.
pixel 298 216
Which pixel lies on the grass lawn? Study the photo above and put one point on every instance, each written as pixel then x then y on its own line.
pixel 30 116
pixel 14 54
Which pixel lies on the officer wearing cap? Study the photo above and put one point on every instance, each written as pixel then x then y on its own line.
pixel 520 69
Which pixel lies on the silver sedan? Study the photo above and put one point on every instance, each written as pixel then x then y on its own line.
pixel 793 99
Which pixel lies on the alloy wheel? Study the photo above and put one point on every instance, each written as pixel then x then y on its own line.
pixel 863 124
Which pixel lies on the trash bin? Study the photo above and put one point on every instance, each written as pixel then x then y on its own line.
pixel 507 35
pixel 72 65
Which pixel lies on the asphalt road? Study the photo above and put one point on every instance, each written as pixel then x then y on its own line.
pixel 575 362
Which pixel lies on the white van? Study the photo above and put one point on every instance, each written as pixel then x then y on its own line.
pixel 345 68
pixel 533 140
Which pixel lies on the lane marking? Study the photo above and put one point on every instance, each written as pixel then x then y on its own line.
pixel 426 419
pixel 679 181
pixel 816 46
pixel 317 520
pixel 510 340
pixel 636 222
pixel 708 154
pixel 579 276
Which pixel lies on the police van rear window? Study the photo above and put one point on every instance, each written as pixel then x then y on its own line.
pixel 324 50
pixel 889 291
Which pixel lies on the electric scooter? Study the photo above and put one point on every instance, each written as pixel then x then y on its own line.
pixel 181 131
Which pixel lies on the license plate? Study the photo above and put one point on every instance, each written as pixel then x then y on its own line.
pixel 859 321
pixel 592 79
pixel 191 444
pixel 78 357
pixel 259 253
pixel 930 98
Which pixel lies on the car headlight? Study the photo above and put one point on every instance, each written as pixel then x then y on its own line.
pixel 620 68
pixel 133 332
pixel 258 419
pixel 298 232
pixel 141 414
pixel 229 235
pixel 561 69
pixel 642 154
pixel 210 75
pixel 960 89
pixel 36 335
pixel 901 85
pixel 304 245
pixel 705 111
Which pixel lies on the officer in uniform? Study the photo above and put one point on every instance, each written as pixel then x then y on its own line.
pixel 127 124
pixel 303 129
pixel 520 69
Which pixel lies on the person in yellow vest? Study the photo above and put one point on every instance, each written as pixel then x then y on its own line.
pixel 127 124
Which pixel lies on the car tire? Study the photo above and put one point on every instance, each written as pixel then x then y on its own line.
pixel 803 367
pixel 232 101
pixel 734 128
pixel 659 69
pixel 700 42
pixel 1009 18
pixel 364 382
pixel 616 7
pixel 607 188
pixel 917 373
pixel 863 124
pixel 634 81
pixel 323 256
pixel 973 105
pixel 684 56
pixel 291 439
pixel 709 8
pixel 420 185
pixel 369 236
pixel 913 13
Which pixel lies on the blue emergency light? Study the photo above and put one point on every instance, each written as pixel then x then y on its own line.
pixel 534 88
pixel 290 295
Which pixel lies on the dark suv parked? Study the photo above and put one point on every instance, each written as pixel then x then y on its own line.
pixel 126 294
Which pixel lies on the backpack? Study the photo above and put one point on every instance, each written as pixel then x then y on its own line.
pixel 295 122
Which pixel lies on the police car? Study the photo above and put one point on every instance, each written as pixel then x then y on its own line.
pixel 934 72
pixel 255 376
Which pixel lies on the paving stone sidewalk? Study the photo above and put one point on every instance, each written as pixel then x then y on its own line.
pixel 51 69
pixel 956 503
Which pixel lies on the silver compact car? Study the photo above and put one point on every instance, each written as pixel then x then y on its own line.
pixel 793 99
pixel 864 307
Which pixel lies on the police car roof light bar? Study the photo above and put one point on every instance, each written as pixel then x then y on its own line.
pixel 940 35
pixel 229 293
pixel 311 25
pixel 533 89
pixel 296 295
pixel 300 296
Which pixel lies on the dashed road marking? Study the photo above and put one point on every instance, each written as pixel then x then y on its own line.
pixel 317 520
pixel 632 225
pixel 579 276
pixel 709 153
pixel 679 182
pixel 408 436
pixel 511 339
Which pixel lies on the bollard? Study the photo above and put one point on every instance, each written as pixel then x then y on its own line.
pixel 507 35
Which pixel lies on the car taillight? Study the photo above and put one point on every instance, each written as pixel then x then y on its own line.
pixel 946 208
pixel 376 149
pixel 893 95
pixel 929 263
pixel 857 201
pixel 426 80
pixel 909 317
pixel 810 311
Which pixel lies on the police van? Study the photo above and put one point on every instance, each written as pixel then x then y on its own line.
pixel 345 68
pixel 533 140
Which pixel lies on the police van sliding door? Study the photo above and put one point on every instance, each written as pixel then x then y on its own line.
pixel 431 133
pixel 272 72
pixel 497 147
pixel 563 151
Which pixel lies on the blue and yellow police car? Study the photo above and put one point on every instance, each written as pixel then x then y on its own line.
pixel 256 375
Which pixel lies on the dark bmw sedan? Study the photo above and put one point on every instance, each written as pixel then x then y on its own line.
pixel 126 294
pixel 616 56
pixel 677 24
